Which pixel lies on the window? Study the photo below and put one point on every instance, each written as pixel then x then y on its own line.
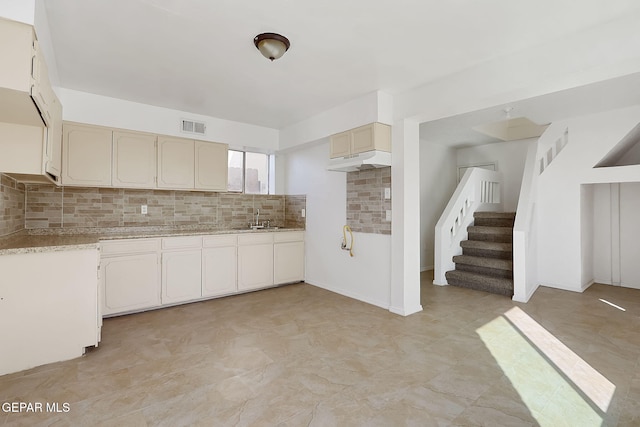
pixel 248 172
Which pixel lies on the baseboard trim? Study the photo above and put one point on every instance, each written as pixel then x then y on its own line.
pixel 349 294
pixel 528 296
pixel 562 287
pixel 435 282
pixel 427 268
pixel 587 285
pixel 406 311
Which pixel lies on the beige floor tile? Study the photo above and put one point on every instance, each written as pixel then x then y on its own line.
pixel 299 355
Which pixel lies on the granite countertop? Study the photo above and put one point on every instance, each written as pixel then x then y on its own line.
pixel 51 240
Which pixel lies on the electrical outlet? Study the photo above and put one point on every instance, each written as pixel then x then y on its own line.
pixel 387 216
pixel 387 193
pixel 303 213
pixel 143 209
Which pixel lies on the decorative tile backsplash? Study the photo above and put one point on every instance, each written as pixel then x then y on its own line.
pixel 293 206
pixel 48 206
pixel 11 205
pixel 366 205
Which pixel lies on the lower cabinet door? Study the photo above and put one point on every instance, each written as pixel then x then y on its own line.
pixel 129 283
pixel 181 276
pixel 255 266
pixel 288 262
pixel 219 271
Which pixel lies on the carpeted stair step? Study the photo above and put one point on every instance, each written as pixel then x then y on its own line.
pixel 487 266
pixel 480 282
pixel 487 249
pixel 494 219
pixel 490 234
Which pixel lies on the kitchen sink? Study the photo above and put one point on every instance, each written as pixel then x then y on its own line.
pixel 255 228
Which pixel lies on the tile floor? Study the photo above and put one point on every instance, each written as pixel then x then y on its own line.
pixel 299 355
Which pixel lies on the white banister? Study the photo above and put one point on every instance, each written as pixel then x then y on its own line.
pixel 479 190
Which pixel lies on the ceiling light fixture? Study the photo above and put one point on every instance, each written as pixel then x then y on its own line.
pixel 271 45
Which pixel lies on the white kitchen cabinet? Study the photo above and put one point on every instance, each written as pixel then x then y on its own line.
pixel 134 160
pixel 130 275
pixel 86 155
pixel 340 145
pixel 288 257
pixel 32 153
pixel 181 269
pixel 219 265
pixel 41 91
pixel 22 67
pixel 22 148
pixel 53 162
pixel 176 166
pixel 48 307
pixel 211 162
pixel 28 104
pixel 181 276
pixel 139 274
pixel 129 283
pixel 374 136
pixel 255 261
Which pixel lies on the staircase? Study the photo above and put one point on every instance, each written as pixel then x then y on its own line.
pixel 486 263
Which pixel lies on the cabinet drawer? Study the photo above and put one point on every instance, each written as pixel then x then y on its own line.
pixel 129 246
pixel 255 239
pixel 288 236
pixel 182 242
pixel 219 241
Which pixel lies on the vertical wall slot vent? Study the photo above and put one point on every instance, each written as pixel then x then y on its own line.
pixel 192 126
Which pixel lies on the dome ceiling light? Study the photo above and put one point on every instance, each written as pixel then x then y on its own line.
pixel 271 45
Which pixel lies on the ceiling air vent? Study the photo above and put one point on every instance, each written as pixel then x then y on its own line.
pixel 191 126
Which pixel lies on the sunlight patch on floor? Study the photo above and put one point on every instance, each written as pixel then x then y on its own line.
pixel 541 381
pixel 612 304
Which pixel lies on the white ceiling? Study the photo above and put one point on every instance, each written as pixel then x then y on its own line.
pixel 198 55
pixel 456 131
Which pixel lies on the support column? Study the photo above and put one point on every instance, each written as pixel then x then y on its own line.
pixel 405 220
pixel 616 270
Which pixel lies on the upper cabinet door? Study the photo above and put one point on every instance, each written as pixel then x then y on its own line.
pixel 375 136
pixel 53 163
pixel 176 166
pixel 23 76
pixel 211 166
pixel 340 145
pixel 41 90
pixel 86 158
pixel 362 139
pixel 134 160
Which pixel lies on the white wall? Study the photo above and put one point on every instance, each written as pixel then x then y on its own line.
pixel 369 108
pixel 601 232
pixel 366 276
pixel 18 10
pixel 509 157
pixel 587 199
pixel 631 157
pixel 437 184
pixel 101 110
pixel 615 234
pixel 41 24
pixel 559 202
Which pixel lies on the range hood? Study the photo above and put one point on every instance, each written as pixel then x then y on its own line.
pixel 356 162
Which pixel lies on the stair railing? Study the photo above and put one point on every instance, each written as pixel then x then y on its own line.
pixel 525 249
pixel 478 190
